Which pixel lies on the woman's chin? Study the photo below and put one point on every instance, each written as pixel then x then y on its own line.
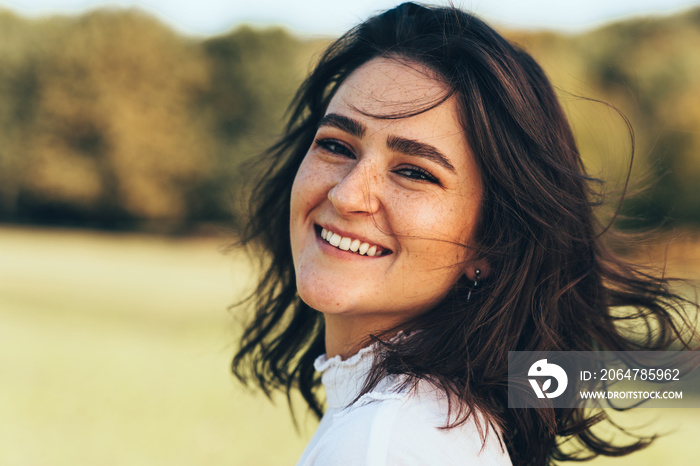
pixel 326 301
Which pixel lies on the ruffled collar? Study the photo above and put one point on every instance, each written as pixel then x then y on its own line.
pixel 343 379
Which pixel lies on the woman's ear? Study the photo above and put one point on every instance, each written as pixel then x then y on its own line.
pixel 482 266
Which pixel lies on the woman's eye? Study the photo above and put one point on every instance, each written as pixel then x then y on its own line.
pixel 416 173
pixel 335 147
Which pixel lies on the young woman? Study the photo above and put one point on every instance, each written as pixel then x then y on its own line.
pixel 425 213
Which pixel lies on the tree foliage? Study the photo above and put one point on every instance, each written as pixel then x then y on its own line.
pixel 112 120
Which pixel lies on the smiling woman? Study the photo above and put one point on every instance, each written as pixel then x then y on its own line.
pixel 427 212
pixel 407 190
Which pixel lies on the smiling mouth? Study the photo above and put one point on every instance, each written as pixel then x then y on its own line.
pixel 353 245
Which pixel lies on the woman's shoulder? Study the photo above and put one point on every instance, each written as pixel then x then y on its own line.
pixel 394 425
pixel 418 434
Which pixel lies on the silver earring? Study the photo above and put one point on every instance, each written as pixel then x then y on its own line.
pixel 477 272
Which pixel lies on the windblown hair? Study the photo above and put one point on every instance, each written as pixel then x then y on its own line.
pixel 554 284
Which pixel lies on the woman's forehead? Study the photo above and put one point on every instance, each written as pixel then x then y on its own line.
pixel 387 86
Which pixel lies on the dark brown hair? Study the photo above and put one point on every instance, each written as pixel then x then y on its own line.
pixel 554 284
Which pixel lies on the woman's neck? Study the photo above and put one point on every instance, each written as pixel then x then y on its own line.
pixel 346 335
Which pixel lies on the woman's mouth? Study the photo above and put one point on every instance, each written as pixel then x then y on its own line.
pixel 357 246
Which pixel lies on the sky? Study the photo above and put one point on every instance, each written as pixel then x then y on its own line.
pixel 332 17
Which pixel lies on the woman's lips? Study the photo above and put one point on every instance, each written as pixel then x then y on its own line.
pixel 350 244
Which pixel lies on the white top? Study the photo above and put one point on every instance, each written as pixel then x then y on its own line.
pixel 390 426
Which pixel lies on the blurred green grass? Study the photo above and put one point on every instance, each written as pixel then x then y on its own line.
pixel 115 351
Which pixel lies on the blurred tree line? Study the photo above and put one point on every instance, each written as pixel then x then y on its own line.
pixel 112 120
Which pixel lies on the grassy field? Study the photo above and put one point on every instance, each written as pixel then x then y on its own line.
pixel 115 351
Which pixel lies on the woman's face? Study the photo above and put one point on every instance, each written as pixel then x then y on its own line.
pixel 382 209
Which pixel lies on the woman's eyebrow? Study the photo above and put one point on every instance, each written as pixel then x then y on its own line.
pixel 405 146
pixel 418 149
pixel 343 123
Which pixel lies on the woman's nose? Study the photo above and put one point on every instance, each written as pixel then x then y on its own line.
pixel 357 192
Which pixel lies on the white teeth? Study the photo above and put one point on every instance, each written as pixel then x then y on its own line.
pixel 349 244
